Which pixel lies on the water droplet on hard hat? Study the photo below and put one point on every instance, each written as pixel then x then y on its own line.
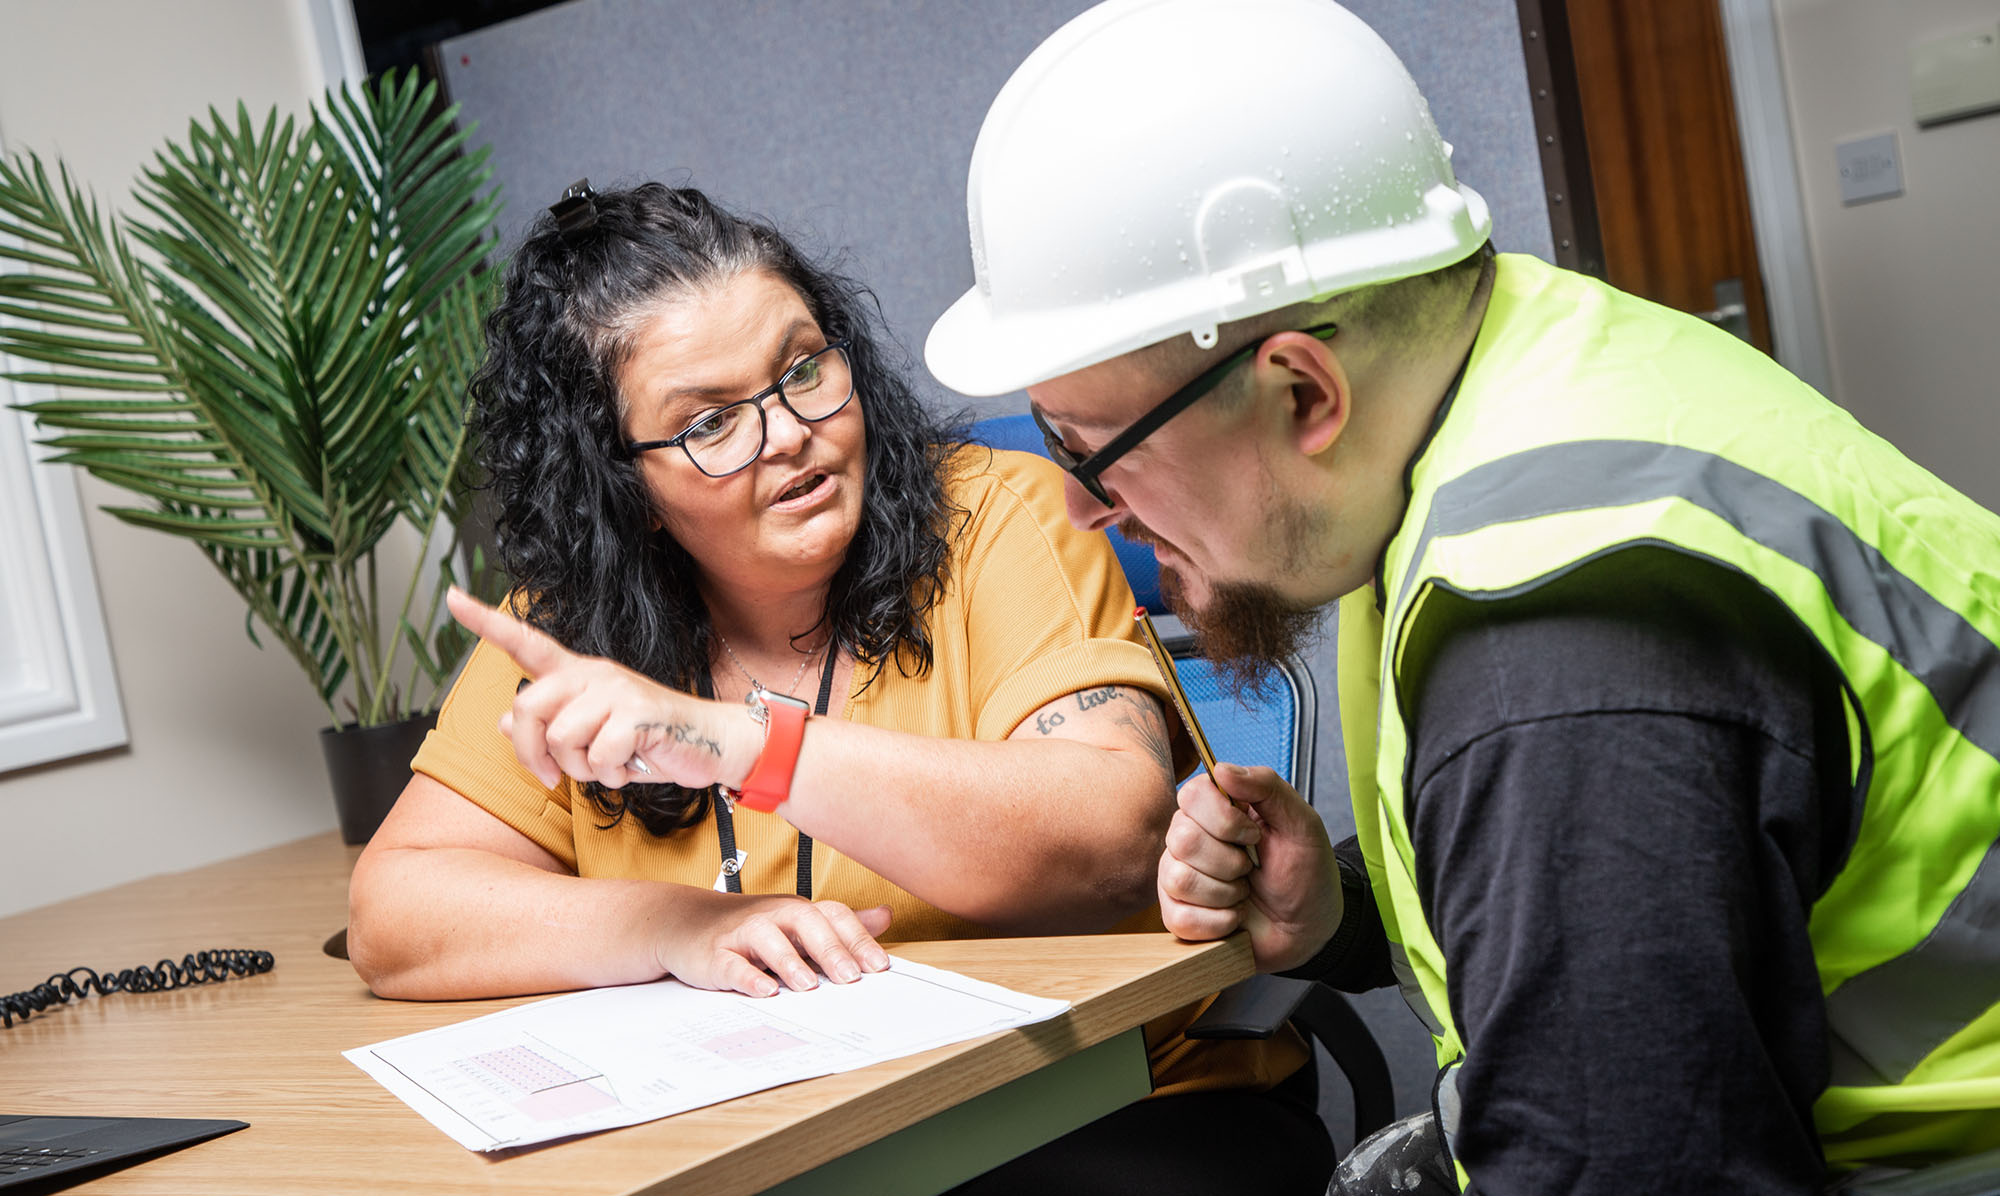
pixel 1184 256
pixel 1409 135
pixel 1278 175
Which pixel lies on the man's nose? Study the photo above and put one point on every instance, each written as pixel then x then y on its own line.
pixel 1086 512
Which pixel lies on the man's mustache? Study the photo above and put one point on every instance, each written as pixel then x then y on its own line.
pixel 1137 532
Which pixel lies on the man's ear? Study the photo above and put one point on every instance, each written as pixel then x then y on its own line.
pixel 1321 399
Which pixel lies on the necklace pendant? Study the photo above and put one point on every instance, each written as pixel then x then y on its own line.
pixel 750 699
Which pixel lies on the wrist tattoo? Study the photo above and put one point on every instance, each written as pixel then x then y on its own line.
pixel 1046 723
pixel 650 735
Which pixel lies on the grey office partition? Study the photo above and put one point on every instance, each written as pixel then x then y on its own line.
pixel 850 124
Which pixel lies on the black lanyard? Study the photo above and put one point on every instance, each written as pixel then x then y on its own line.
pixel 725 819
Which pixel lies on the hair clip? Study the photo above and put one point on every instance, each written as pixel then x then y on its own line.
pixel 576 211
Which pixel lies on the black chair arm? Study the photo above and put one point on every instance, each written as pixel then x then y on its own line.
pixel 1256 1008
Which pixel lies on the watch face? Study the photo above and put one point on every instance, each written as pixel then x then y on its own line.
pixel 761 700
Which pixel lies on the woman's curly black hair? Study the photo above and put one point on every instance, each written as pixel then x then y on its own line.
pixel 576 524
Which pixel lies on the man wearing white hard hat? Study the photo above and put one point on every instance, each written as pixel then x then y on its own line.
pixel 1670 695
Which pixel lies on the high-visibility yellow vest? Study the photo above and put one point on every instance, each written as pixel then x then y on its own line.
pixel 1588 421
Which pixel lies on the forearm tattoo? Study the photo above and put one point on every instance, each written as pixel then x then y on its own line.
pixel 651 735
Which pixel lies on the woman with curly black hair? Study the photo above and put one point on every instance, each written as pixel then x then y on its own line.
pixel 789 667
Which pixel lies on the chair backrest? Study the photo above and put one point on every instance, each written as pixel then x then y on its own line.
pixel 1273 727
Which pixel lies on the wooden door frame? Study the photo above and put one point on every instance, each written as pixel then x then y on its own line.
pixel 1770 166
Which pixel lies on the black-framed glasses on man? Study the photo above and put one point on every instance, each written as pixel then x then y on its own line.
pixel 729 438
pixel 1086 469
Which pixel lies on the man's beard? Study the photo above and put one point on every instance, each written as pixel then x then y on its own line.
pixel 1246 629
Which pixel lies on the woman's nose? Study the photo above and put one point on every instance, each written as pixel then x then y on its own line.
pixel 784 432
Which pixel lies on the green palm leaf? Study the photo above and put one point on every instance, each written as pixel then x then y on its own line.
pixel 281 379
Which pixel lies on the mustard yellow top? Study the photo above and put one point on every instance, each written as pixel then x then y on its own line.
pixel 1033 609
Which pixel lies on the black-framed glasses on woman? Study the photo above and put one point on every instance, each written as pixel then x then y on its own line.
pixel 1086 469
pixel 729 438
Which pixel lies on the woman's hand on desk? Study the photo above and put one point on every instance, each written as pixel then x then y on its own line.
pixel 592 718
pixel 450 902
pixel 739 942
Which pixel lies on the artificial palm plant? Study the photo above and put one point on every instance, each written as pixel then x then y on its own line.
pixel 271 353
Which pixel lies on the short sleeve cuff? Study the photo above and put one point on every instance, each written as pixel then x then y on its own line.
pixel 498 783
pixel 1091 664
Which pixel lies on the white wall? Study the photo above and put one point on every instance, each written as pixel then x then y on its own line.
pixel 1907 285
pixel 224 755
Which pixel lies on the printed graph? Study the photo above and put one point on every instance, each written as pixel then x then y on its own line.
pixel 751 1042
pixel 535 1084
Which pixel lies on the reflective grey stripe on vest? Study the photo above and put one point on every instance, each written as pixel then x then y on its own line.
pixel 1899 1011
pixel 1445 1103
pixel 1413 993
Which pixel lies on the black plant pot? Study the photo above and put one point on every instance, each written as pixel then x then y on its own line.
pixel 369 767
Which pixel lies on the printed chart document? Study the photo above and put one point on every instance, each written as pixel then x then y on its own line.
pixel 619 1056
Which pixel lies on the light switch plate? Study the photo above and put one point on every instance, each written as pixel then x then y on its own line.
pixel 1955 77
pixel 1870 168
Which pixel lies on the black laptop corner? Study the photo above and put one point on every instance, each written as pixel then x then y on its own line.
pixel 41 1153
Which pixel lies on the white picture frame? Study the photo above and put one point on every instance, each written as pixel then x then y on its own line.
pixel 58 688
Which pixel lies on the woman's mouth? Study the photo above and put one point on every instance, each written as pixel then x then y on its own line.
pixel 801 491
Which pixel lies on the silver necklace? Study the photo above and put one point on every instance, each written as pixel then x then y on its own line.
pixel 751 678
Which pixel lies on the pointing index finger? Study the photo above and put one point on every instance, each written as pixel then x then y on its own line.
pixel 529 647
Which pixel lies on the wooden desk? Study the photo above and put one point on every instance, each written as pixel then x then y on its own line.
pixel 266 1050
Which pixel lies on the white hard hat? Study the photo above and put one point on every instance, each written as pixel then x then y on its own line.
pixel 1158 167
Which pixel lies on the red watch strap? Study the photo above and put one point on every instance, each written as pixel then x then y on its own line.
pixel 770 779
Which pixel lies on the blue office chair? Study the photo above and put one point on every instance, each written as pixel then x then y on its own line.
pixel 1273 727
